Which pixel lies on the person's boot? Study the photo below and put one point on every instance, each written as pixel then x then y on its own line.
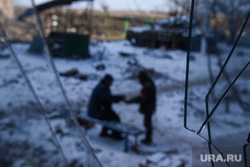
pixel 146 141
pixel 104 132
pixel 148 137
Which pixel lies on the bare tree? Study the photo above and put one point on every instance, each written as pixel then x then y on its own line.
pixel 227 15
pixel 181 6
pixel 232 12
pixel 107 20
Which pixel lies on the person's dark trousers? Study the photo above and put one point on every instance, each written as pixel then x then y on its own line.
pixel 148 126
pixel 112 116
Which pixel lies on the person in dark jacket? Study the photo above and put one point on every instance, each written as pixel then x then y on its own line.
pixel 147 101
pixel 100 104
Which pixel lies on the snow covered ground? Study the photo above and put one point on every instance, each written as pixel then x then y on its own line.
pixel 25 136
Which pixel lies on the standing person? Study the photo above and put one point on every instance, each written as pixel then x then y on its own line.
pixel 100 105
pixel 147 101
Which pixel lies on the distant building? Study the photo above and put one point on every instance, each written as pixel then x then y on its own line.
pixel 7 8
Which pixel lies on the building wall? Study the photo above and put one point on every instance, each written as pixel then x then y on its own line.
pixel 7 8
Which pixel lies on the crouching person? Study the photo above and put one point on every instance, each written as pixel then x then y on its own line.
pixel 100 105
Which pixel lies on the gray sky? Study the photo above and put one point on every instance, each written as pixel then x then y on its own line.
pixel 139 5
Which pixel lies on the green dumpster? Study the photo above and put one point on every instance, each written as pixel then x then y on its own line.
pixel 68 45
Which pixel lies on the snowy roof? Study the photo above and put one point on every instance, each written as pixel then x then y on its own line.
pixel 139 29
pixel 176 23
pixel 175 20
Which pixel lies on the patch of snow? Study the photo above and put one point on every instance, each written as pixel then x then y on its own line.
pixel 168 70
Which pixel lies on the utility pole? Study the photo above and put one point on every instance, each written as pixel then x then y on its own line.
pixel 206 26
pixel 90 27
